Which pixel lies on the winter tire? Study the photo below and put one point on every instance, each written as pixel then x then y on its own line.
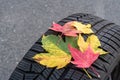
pixel 108 66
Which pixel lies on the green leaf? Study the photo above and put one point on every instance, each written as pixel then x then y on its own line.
pixel 58 54
pixel 72 41
pixel 54 42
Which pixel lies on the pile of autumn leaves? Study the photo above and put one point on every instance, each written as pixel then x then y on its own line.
pixel 60 51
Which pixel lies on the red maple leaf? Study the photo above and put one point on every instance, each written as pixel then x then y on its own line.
pixel 83 59
pixel 65 29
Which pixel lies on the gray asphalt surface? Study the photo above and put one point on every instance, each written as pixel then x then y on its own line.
pixel 22 22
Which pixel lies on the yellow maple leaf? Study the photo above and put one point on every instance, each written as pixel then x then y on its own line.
pixel 50 60
pixel 93 41
pixel 83 28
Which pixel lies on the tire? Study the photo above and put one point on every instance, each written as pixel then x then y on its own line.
pixel 108 66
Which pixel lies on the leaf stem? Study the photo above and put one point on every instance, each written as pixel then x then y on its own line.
pixel 95 71
pixel 87 73
pixel 59 39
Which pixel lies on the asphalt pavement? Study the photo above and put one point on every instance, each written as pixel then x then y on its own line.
pixel 22 22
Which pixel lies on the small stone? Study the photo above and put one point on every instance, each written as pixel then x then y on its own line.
pixel 17 62
pixel 14 30
pixel 2 40
pixel 46 5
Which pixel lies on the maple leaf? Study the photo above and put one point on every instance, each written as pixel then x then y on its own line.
pixel 83 59
pixel 66 29
pixel 58 55
pixel 50 60
pixel 83 28
pixel 94 43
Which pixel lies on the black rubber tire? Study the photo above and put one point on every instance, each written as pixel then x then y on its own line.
pixel 108 66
